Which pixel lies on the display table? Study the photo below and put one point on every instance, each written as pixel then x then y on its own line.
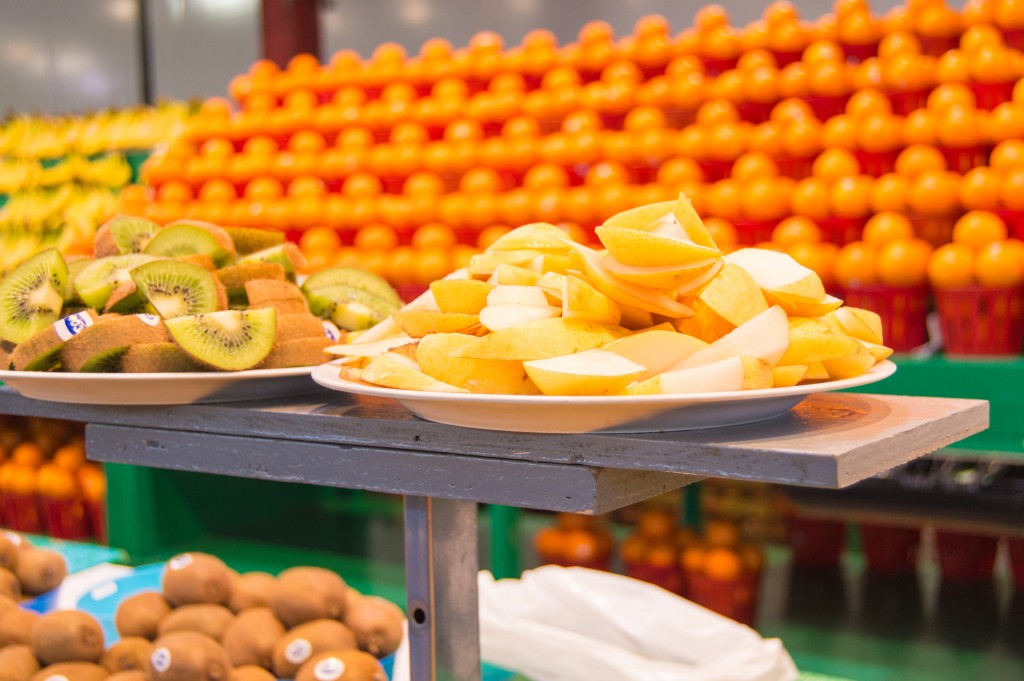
pixel 332 439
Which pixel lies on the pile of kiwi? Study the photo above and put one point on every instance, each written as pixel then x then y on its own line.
pixel 190 296
pixel 25 572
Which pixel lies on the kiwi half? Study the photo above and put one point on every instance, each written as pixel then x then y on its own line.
pixel 100 348
pixel 295 326
pixel 286 255
pixel 123 234
pixel 231 340
pixel 75 265
pixel 350 308
pixel 177 289
pixel 234 278
pixel 32 296
pixel 98 279
pixel 349 276
pixel 158 358
pixel 6 353
pixel 139 615
pixel 128 299
pixel 188 237
pixel 41 352
pixel 250 239
pixel 261 291
pixel 67 636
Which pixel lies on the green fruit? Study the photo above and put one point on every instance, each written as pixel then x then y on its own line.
pixel 234 277
pixel 124 234
pixel 31 297
pixel 249 239
pixel 177 289
pixel 74 268
pixel 287 256
pixel 182 238
pixel 348 276
pixel 231 340
pixel 98 279
pixel 41 351
pixel 349 307
pixel 101 347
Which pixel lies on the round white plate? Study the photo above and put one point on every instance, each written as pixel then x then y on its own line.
pixel 626 414
pixel 155 389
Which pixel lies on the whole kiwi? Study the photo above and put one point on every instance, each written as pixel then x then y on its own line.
pixel 251 590
pixel 307 640
pixel 9 584
pixel 134 675
pixel 39 570
pixel 17 663
pixel 303 594
pixel 130 653
pixel 6 602
pixel 188 656
pixel 67 636
pixel 17 625
pixel 9 550
pixel 140 615
pixel 377 624
pixel 71 671
pixel 206 618
pixel 250 637
pixel 251 672
pixel 342 665
pixel 197 578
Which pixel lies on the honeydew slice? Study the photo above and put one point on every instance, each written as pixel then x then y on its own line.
pixel 591 372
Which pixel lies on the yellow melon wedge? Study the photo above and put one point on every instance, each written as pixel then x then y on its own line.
pixel 815 372
pixel 513 275
pixel 808 343
pixel 733 295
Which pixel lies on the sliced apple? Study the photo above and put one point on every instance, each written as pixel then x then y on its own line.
pixel 507 315
pixel 648 249
pixel 863 325
pixel 483 376
pixel 815 342
pixel 520 295
pixel 766 337
pixel 398 371
pixel 656 349
pixel 815 372
pixel 733 296
pixel 645 217
pixel 787 377
pixel 467 296
pixel 371 349
pixel 580 300
pixel 726 375
pixel 778 273
pixel 850 366
pixel 666 278
pixel 418 323
pixel 542 339
pixel 591 372
pixel 536 236
pixel 484 264
pixel 757 373
pixel 513 275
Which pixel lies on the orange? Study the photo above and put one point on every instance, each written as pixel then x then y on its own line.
pixel 869 74
pixel 830 79
pixel 723 199
pixel 376 237
pixel 934 192
pixel 993 64
pixel 722 42
pixel 951 266
pixel 727 140
pixel 920 127
pixel 882 228
pixel 918 158
pixel 977 36
pixel 762 85
pixel 463 131
pixel 55 482
pixel 897 43
pixel 70 456
pixel 753 59
pixel 801 138
pixel 879 132
pixel 819 257
pixel 949 94
pixel 959 126
pixel 810 198
pixel 217 191
pixel 751 165
pixel 833 164
pixel 656 524
pixel 491 234
pixel 729 86
pixel 979 228
pixel 1006 122
pixel 710 17
pixel 546 175
pixel 27 454
pixel 937 20
pixel 823 50
pixel 791 110
pixel 174 191
pixel 362 185
pixel 612 172
pixel 643 117
pixel 793 80
pixel 423 183
pixel 549 542
pixel 307 185
pixel 977 12
pixel 692 560
pixel 723 233
pixel 765 138
pixel 1009 14
pixel 722 564
pixel 672 172
pixel 481 181
pixel 850 197
pixel 765 198
pixel 432 264
pixel 400 265
pixel 979 189
pixel 1007 155
pixel 794 230
pixel 1000 264
pixel 953 67
pixel 717 111
pixel 721 533
pixel 840 132
pixel 903 262
pixel 93 482
pixel 855 265
pixel 868 101
pixel 433 235
pixel 689 142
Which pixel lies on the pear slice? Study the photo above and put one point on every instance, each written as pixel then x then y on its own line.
pixel 537 236
pixel 648 249
pixel 553 284
pixel 726 375
pixel 815 342
pixel 559 263
pixel 656 349
pixel 879 352
pixel 418 323
pixel 815 372
pixel 733 296
pixel 850 366
pixel 508 315
pixel 392 370
pixel 766 337
pixel 542 339
pixel 484 264
pixel 635 318
pixel 686 217
pixel 591 372
pixel 863 325
pixel 798 306
pixel 513 275
pixel 371 349
pixel 580 300
pixel 467 296
pixel 665 278
pixel 482 376
pixel 787 377
pixel 778 273
pixel 517 294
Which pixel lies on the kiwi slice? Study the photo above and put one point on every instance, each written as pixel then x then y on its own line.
pixel 7 349
pixel 123 234
pixel 158 358
pixel 31 297
pixel 67 636
pixel 42 351
pixel 200 259
pixel 206 618
pixel 18 663
pixel 231 340
pixel 234 278
pixel 140 615
pixel 40 570
pixel 99 348
pixel 295 326
pixel 301 352
pixel 177 289
pixel 350 308
pixel 127 299
pixel 286 255
pixel 250 239
pixel 196 578
pixel 75 265
pixel 349 276
pixel 98 279
pixel 186 238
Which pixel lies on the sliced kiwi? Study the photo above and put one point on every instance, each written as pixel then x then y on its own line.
pixel 42 351
pixel 231 340
pixel 234 278
pixel 99 348
pixel 75 265
pixel 98 279
pixel 123 234
pixel 188 656
pixel 200 259
pixel 206 618
pixel 286 255
pixel 6 352
pixel 250 239
pixel 186 238
pixel 350 308
pixel 31 297
pixel 177 289
pixel 128 299
pixel 301 352
pixel 196 578
pixel 67 636
pixel 158 358
pixel 349 276
pixel 140 615
pixel 133 675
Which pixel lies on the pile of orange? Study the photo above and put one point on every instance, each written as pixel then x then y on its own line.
pixel 575 539
pixel 980 254
pixel 65 475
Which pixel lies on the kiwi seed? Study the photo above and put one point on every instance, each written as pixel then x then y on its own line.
pixel 123 234
pixel 177 289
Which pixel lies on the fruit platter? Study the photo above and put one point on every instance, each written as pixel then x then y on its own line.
pixel 658 331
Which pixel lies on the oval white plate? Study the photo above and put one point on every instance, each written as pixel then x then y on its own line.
pixel 626 414
pixel 157 389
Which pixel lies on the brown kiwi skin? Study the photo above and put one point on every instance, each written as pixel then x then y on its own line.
pixel 250 637
pixel 206 618
pixel 251 672
pixel 130 653
pixel 251 590
pixel 72 671
pixel 140 615
pixel 377 624
pixel 67 636
pixel 202 579
pixel 6 603
pixel 322 636
pixel 309 593
pixel 40 570
pixel 9 584
pixel 17 625
pixel 17 663
pixel 359 666
pixel 193 657
pixel 134 675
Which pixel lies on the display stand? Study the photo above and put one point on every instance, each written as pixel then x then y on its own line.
pixel 332 439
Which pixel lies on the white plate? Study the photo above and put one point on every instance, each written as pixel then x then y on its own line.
pixel 627 414
pixel 153 389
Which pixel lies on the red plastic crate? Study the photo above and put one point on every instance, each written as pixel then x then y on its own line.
pixel 815 543
pixel 716 67
pixel 1016 547
pixel 795 168
pixel 753 232
pixel 1014 220
pixel 21 513
pixel 903 102
pixel 936 47
pixel 841 231
pixel 784 58
pixel 991 95
pixel 965 557
pixel 65 518
pixel 827 107
pixel 755 112
pixel 668 578
pixel 679 118
pixel 962 159
pixel 1014 38
pixel 410 292
pixel 935 229
pixel 859 53
pixel 877 163
pixel 890 550
pixel 613 121
pixel 734 598
pixel 715 170
pixel 467 236
pixel 97 516
pixel 979 320
pixel 643 173
pixel 904 312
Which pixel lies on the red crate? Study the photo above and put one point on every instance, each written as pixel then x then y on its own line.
pixel 1014 220
pixel 937 230
pixel 755 112
pixel 784 58
pixel 97 516
pixel 753 232
pixel 877 163
pixel 668 578
pixel 890 550
pixel 715 170
pixel 21 513
pixel 65 518
pixel 826 107
pixel 859 53
pixel 991 95
pixel 795 168
pixel 938 46
pixel 841 231
pixel 905 101
pixel 1014 38
pixel 410 292
pixel 979 320
pixel 734 598
pixel 962 159
pixel 716 67
pixel 965 557
pixel 1016 546
pixel 815 543
pixel 904 312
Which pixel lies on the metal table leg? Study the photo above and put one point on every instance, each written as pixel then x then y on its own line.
pixel 441 565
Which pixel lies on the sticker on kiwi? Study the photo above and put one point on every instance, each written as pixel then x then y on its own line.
pixel 329 669
pixel 56 677
pixel 103 591
pixel 13 538
pixel 180 562
pixel 150 319
pixel 72 325
pixel 161 660
pixel 331 331
pixel 298 651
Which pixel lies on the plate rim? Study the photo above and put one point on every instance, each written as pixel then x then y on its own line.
pixel 71 377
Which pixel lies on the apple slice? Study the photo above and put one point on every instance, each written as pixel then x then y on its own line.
pixel 425 301
pixel 513 275
pixel 398 371
pixel 516 294
pixel 580 300
pixel 665 278
pixel 371 349
pixel 863 325
pixel 418 323
pixel 726 375
pixel 815 342
pixel 787 377
pixel 481 376
pixel 656 349
pixel 850 366
pixel 778 273
pixel 536 236
pixel 686 217
pixel 507 315
pixel 765 337
pixel 542 339
pixel 467 296
pixel 591 372
pixel 484 264
pixel 559 263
